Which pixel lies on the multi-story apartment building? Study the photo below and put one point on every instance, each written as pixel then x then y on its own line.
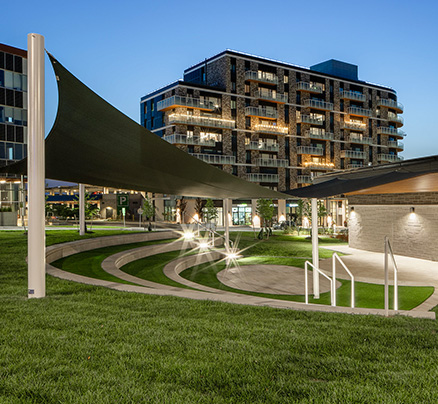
pixel 275 123
pixel 13 104
pixel 13 119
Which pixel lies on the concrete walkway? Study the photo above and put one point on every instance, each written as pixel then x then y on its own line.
pixel 368 267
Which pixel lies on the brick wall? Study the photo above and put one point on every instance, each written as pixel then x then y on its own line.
pixel 410 234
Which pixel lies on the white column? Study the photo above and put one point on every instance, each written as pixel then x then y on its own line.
pixel 315 252
pixel 226 223
pixel 81 209
pixel 281 206
pixel 35 168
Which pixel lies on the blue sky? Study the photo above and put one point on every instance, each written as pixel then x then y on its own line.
pixel 123 50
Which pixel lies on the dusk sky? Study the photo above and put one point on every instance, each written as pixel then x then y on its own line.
pixel 123 50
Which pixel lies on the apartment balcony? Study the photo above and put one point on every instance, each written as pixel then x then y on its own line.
pixel 272 129
pixel 261 162
pixel 314 165
pixel 383 130
pixel 215 158
pixel 272 96
pixel 261 112
pixel 318 104
pixel 304 179
pixel 261 77
pixel 396 145
pixel 310 88
pixel 311 120
pixel 189 140
pixel 202 121
pixel 353 126
pixel 355 165
pixel 353 154
pixel 392 158
pixel 257 177
pixel 262 146
pixel 187 102
pixel 353 95
pixel 321 135
pixel 361 140
pixel 314 151
pixel 397 119
pixel 391 104
pixel 359 111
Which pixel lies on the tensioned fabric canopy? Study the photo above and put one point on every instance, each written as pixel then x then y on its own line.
pixel 92 142
pixel 397 178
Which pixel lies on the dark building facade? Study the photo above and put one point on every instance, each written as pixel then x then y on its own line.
pixel 275 123
pixel 13 104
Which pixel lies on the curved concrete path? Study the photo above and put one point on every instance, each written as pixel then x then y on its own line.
pixel 272 279
pixel 62 250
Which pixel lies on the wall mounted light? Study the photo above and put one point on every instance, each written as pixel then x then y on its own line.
pixel 412 209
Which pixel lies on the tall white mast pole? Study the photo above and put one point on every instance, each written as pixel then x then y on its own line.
pixel 35 168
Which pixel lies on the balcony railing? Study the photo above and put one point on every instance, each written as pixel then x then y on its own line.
pixel 395 144
pixel 390 131
pixel 311 120
pixel 274 129
pixel 319 104
pixel 320 135
pixel 386 102
pixel 261 77
pixel 272 96
pixel 354 165
pixel 353 95
pixel 389 157
pixel 304 179
pixel 189 102
pixel 202 121
pixel 353 126
pixel 215 158
pixel 191 140
pixel 261 112
pixel 396 118
pixel 361 140
pixel 314 165
pixel 315 151
pixel 272 162
pixel 256 177
pixel 353 154
pixel 359 111
pixel 262 146
pixel 303 86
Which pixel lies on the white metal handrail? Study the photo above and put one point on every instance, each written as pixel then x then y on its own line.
pixel 389 252
pixel 335 257
pixel 306 282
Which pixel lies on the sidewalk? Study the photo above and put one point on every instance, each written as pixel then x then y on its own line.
pixel 368 267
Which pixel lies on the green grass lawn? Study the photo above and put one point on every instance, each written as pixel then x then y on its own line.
pixel 86 344
pixel 89 263
pixel 281 245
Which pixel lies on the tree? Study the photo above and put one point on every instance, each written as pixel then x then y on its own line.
pixel 210 210
pixel 265 209
pixel 149 211
pixel 199 208
pixel 322 212
pixel 182 205
pixel 303 209
pixel 91 209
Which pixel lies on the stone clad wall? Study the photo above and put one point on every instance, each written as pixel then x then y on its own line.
pixel 411 234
